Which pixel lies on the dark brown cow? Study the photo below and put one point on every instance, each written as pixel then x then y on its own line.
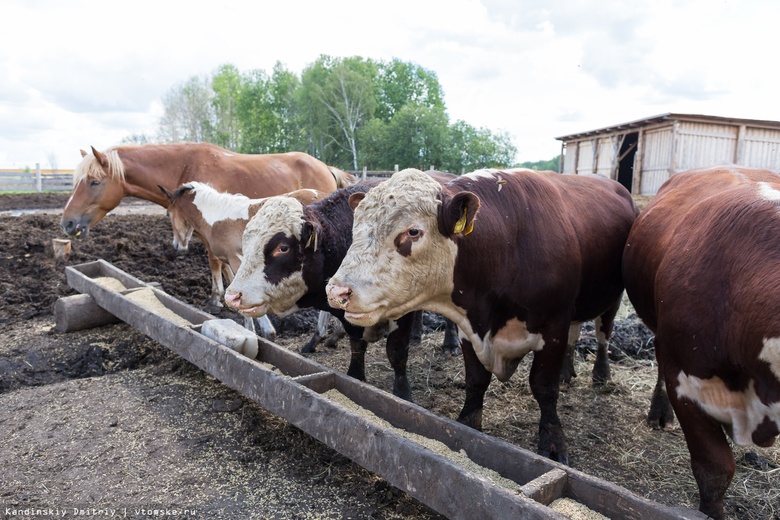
pixel 702 268
pixel 289 253
pixel 512 257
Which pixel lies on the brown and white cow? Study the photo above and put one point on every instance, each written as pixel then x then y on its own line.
pixel 218 219
pixel 290 251
pixel 702 268
pixel 513 257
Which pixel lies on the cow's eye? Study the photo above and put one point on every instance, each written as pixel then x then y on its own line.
pixel 284 249
pixel 414 232
pixel 94 183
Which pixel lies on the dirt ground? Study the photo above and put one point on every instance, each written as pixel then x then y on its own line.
pixel 109 419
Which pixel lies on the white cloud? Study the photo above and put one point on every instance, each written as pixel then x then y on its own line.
pixel 87 73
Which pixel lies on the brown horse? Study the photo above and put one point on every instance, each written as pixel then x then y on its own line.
pixel 219 219
pixel 102 180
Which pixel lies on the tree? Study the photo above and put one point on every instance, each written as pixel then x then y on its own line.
pixel 475 148
pixel 550 164
pixel 416 137
pixel 187 112
pixel 341 100
pixel 226 86
pixel 402 83
pixel 255 118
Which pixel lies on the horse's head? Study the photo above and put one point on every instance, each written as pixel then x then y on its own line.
pixel 98 187
pixel 180 221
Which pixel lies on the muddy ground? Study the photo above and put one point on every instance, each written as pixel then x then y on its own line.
pixel 107 418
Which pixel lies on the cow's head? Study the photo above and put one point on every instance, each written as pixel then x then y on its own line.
pixel 402 256
pixel 270 278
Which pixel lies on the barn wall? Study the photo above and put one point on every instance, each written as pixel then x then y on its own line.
pixel 570 158
pixel 761 148
pixel 606 155
pixel 585 157
pixel 705 144
pixel 674 146
pixel 656 159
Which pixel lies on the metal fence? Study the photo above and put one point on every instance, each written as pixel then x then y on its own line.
pixel 38 180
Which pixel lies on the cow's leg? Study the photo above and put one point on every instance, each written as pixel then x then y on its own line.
pixel 661 413
pixel 451 343
pixel 322 329
pixel 567 370
pixel 267 329
pixel 357 348
pixel 397 347
pixel 214 303
pixel 544 380
pixel 603 325
pixel 336 335
pixel 477 382
pixel 712 460
pixel 249 324
pixel 416 328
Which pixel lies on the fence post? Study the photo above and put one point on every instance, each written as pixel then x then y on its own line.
pixel 364 172
pixel 396 168
pixel 38 180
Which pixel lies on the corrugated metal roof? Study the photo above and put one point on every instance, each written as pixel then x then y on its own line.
pixel 670 117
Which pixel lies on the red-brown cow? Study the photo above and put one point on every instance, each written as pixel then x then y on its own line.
pixel 702 268
pixel 512 257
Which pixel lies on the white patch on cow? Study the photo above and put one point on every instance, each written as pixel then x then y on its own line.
pixel 501 353
pixel 744 411
pixel 771 354
pixel 279 214
pixel 228 154
pixel 487 173
pixel 600 336
pixel 216 206
pixel 768 192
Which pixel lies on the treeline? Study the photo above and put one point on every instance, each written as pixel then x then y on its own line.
pixel 349 112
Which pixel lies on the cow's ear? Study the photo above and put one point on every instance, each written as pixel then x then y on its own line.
pixel 458 213
pixel 83 152
pixel 310 234
pixel 355 199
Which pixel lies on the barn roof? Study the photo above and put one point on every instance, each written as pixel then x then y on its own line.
pixel 670 117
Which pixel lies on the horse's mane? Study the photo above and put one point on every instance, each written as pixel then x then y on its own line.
pixel 90 168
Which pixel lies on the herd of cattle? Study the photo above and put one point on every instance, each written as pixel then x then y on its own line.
pixel 516 259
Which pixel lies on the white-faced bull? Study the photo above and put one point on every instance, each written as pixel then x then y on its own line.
pixel 290 251
pixel 514 258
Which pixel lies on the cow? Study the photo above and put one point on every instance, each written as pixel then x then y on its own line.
pixel 218 219
pixel 702 269
pixel 516 258
pixel 290 251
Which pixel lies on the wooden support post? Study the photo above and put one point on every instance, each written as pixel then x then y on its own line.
pixel 61 248
pixel 38 180
pixel 79 312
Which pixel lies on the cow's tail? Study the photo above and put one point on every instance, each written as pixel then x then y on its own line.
pixel 343 179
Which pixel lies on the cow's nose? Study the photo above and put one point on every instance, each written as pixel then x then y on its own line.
pixel 233 299
pixel 338 297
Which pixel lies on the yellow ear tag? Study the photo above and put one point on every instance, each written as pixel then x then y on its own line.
pixel 470 228
pixel 460 225
pixel 312 239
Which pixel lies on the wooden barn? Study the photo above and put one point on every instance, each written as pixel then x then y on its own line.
pixel 643 154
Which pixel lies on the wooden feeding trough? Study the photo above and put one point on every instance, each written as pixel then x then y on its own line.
pixel 412 448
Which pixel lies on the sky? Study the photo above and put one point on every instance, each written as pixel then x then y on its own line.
pixel 87 73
